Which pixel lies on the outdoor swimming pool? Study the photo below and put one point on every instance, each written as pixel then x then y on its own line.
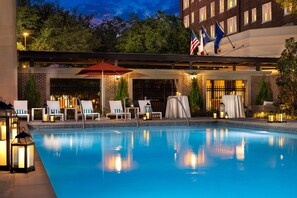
pixel 169 161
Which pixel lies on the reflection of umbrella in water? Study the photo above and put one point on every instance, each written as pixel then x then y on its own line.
pixel 103 69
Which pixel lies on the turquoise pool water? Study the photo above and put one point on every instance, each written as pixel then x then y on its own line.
pixel 211 161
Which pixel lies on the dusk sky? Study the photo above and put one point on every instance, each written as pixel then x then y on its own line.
pixel 105 9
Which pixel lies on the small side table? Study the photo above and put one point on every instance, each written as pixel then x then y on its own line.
pixel 75 113
pixel 136 110
pixel 34 109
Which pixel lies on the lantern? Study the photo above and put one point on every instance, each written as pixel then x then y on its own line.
pixel 45 116
pixel 148 111
pixel 9 125
pixel 52 118
pixel 144 117
pixel 222 110
pixel 270 117
pixel 226 115
pixel 215 114
pixel 22 153
pixel 280 115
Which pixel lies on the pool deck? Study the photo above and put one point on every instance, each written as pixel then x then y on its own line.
pixel 37 184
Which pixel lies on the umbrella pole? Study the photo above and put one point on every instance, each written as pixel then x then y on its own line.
pixel 102 92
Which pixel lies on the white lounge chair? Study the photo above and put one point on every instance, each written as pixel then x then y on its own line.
pixel 21 108
pixel 88 110
pixel 142 104
pixel 116 109
pixel 54 109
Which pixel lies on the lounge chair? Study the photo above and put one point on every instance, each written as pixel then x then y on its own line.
pixel 116 109
pixel 21 108
pixel 142 104
pixel 54 109
pixel 87 110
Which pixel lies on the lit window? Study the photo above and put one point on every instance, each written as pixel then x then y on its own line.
pixel 212 9
pixel 254 15
pixel 192 17
pixel 232 4
pixel 192 1
pixel 246 17
pixel 288 10
pixel 186 21
pixel 222 25
pixel 266 12
pixel 202 14
pixel 232 25
pixel 212 31
pixel 222 6
pixel 185 4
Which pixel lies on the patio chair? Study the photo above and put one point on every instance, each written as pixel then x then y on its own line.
pixel 142 104
pixel 88 110
pixel 116 109
pixel 54 109
pixel 21 108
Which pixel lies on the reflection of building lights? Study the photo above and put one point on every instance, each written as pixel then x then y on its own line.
pixel 51 143
pixel 208 136
pixel 221 134
pixel 226 132
pixel 70 142
pixel 146 135
pixel 192 160
pixel 281 157
pixel 115 162
pixel 271 141
pixel 215 134
pixel 281 142
pixel 240 150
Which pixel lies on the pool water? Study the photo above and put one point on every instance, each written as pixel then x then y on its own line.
pixel 210 161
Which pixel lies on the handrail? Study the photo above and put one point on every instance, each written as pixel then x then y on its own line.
pixel 173 97
pixel 82 112
pixel 136 117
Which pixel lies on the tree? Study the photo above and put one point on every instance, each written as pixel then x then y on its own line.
pixel 195 98
pixel 287 80
pixel 160 34
pixel 122 89
pixel 107 34
pixel 32 94
pixel 288 4
pixel 265 93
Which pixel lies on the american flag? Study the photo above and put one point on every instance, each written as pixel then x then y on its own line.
pixel 194 43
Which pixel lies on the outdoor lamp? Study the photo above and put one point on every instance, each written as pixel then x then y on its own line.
pixel 222 110
pixel 22 153
pixel 280 115
pixel 215 114
pixel 45 117
pixel 144 117
pixel 52 118
pixel 226 115
pixel 148 111
pixel 270 117
pixel 8 130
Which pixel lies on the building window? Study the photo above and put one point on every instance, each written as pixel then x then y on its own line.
pixel 186 21
pixel 266 12
pixel 192 17
pixel 232 4
pixel 212 31
pixel 246 18
pixel 254 15
pixel 185 4
pixel 288 10
pixel 202 14
pixel 222 25
pixel 212 9
pixel 232 25
pixel 222 6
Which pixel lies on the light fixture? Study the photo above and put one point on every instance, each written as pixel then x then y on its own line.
pixel 148 111
pixel 25 34
pixel 22 153
pixel 117 77
pixel 271 117
pixel 222 110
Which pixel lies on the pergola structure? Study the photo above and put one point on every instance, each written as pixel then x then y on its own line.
pixel 148 61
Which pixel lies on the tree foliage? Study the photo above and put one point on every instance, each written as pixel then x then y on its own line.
pixel 163 34
pixel 195 98
pixel 122 89
pixel 53 29
pixel 287 81
pixel 31 93
pixel 265 93
pixel 288 3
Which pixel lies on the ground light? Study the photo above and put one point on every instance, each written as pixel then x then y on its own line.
pixel 222 110
pixel 22 153
pixel 9 126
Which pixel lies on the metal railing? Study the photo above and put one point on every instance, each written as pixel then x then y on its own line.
pixel 173 97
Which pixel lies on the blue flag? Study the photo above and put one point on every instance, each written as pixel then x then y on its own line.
pixel 219 33
pixel 205 36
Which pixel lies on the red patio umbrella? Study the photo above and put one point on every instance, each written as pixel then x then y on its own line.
pixel 103 69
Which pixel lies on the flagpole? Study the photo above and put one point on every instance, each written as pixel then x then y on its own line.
pixel 226 35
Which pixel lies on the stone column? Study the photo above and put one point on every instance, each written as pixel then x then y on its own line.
pixel 8 53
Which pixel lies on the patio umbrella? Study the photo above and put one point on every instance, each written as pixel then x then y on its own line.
pixel 103 69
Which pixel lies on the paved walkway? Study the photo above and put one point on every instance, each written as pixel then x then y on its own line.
pixel 36 184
